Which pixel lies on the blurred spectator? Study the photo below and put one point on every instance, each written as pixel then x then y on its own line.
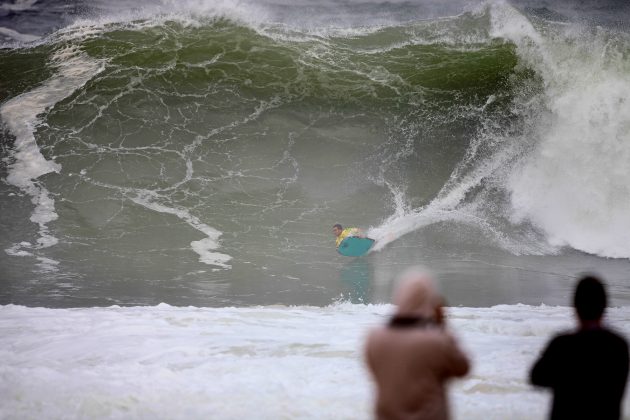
pixel 586 369
pixel 413 356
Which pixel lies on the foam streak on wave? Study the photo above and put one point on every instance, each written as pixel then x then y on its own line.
pixel 21 116
pixel 203 247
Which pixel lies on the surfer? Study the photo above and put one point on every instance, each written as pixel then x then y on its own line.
pixel 342 233
pixel 351 242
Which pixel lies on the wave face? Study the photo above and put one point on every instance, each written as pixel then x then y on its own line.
pixel 191 153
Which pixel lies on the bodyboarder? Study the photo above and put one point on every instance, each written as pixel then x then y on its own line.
pixel 342 233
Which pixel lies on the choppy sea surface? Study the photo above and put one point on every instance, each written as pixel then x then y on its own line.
pixel 170 173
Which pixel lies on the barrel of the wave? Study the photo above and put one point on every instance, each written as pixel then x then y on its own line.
pixel 351 242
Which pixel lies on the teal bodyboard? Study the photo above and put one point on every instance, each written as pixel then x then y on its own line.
pixel 353 246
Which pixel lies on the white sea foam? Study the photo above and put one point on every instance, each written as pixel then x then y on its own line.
pixel 21 115
pixel 575 186
pixel 204 247
pixel 155 13
pixel 258 362
pixel 280 20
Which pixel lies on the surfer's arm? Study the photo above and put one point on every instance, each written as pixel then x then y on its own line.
pixel 348 232
pixel 356 232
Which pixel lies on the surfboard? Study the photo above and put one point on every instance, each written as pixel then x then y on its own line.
pixel 353 246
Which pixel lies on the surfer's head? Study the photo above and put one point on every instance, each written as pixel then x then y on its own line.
pixel 337 229
pixel 590 299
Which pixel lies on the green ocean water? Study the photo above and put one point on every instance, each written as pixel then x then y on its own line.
pixel 203 160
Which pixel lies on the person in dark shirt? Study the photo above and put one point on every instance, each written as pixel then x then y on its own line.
pixel 586 369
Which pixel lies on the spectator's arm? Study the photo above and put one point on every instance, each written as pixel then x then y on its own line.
pixel 542 373
pixel 457 363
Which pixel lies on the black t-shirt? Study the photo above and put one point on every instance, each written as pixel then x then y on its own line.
pixel 587 371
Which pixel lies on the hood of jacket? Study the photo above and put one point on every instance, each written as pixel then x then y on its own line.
pixel 416 295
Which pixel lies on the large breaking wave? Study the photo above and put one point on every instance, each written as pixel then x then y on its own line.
pixel 172 143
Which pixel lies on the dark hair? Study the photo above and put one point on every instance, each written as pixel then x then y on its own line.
pixel 590 298
pixel 338 226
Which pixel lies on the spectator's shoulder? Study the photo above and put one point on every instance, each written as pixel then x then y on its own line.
pixel 617 338
pixel 561 341
pixel 564 337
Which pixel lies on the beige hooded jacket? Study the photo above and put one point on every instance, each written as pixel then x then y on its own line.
pixel 411 364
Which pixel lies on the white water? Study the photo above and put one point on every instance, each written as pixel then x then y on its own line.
pixel 204 247
pixel 573 185
pixel 258 362
pixel 22 116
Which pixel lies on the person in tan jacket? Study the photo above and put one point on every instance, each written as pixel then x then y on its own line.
pixel 412 357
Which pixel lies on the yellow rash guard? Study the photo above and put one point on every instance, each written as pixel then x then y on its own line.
pixel 345 233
